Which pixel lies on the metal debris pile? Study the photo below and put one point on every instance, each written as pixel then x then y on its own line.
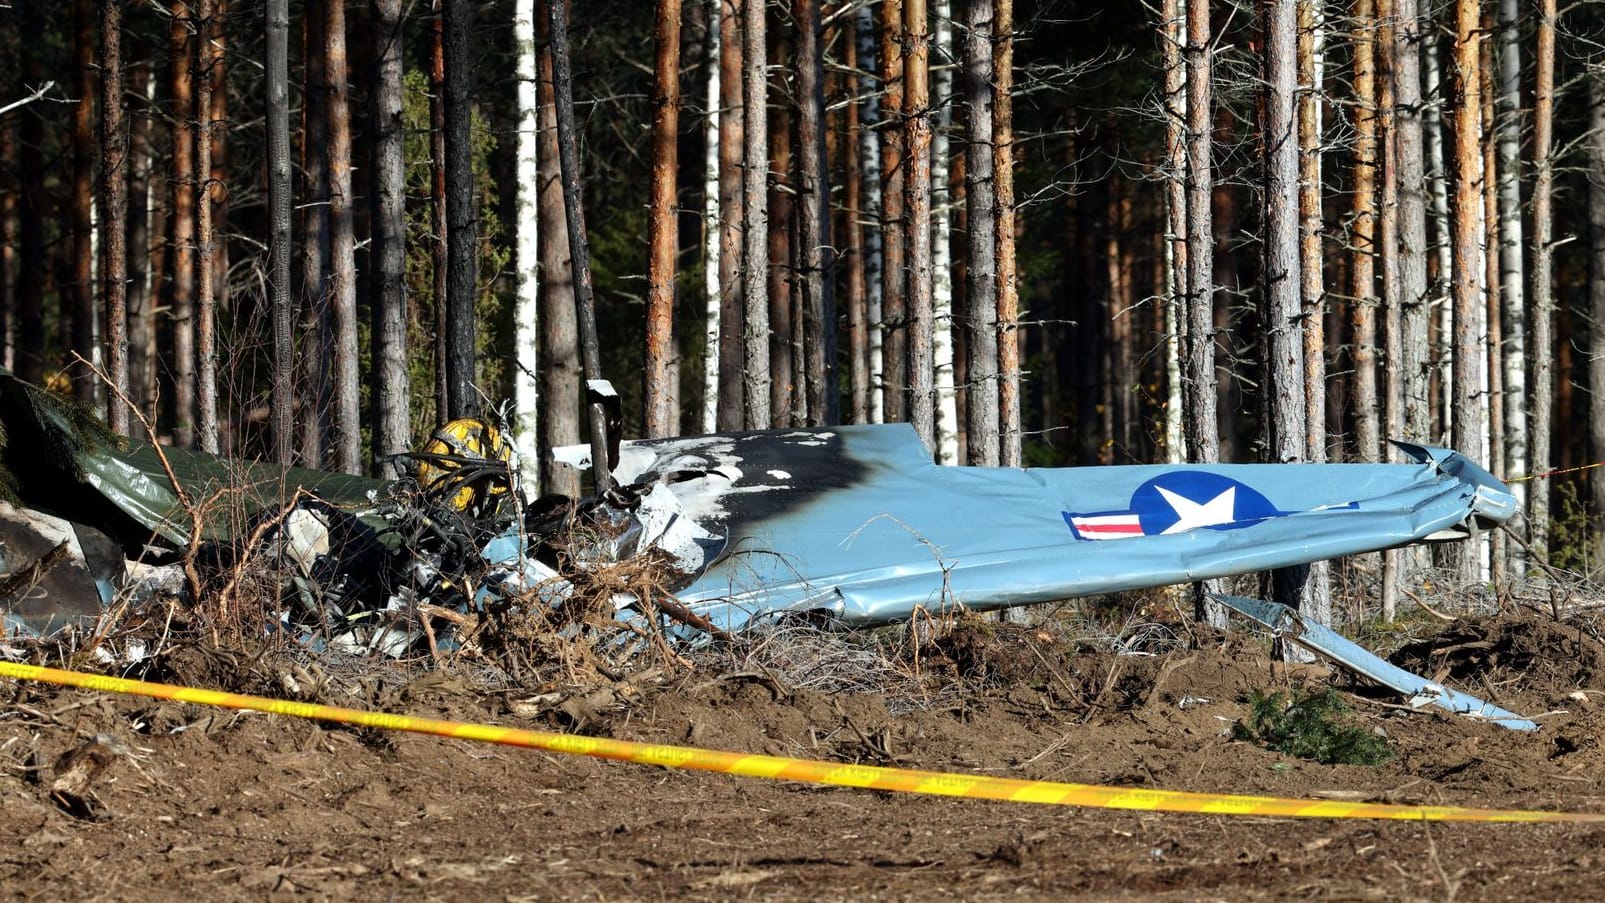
pixel 694 539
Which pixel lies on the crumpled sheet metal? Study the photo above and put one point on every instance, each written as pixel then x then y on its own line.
pixel 1285 622
pixel 857 523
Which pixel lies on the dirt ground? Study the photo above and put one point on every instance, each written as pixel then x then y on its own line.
pixel 218 805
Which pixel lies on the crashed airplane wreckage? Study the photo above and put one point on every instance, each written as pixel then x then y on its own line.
pixel 851 524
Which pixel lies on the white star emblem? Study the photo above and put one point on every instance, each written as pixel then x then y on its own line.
pixel 1191 515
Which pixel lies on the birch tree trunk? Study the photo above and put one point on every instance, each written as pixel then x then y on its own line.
pixel 114 158
pixel 945 426
pixel 1543 307
pixel 392 427
pixel 526 254
pixel 981 278
pixel 462 219
pixel 917 131
pixel 278 150
pixel 712 225
pixel 1439 354
pixel 1172 36
pixel 755 206
pixel 1009 337
pixel 869 155
pixel 1513 283
pixel 732 218
pixel 813 202
pixel 663 227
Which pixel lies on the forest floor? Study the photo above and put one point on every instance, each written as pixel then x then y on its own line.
pixel 216 805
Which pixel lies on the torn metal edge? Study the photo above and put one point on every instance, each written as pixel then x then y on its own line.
pixel 1284 622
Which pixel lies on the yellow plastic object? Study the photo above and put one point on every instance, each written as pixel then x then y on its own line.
pixel 445 464
pixel 838 774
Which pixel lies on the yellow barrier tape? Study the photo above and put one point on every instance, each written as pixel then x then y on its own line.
pixel 785 769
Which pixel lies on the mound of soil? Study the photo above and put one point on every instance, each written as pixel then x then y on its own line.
pixel 1527 659
pixel 224 805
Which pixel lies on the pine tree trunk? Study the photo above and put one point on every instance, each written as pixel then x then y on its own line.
pixel 1541 335
pixel 315 374
pixel 1595 149
pixel 439 253
pixel 278 150
pixel 80 309
pixel 114 157
pixel 1389 260
pixel 781 279
pixel 1491 341
pixel 1413 362
pixel 462 217
pixel 894 224
pixel 1317 597
pixel 181 227
pixel 10 191
pixel 1312 290
pixel 345 405
pixel 1469 367
pixel 560 356
pixel 144 235
pixel 917 135
pixel 1288 421
pixel 732 218
pixel 755 207
pixel 981 282
pixel 579 249
pixel 662 226
pixel 857 286
pixel 219 175
pixel 392 427
pixel 206 275
pixel 1203 441
pixel 1009 336
pixel 1362 235
pixel 813 205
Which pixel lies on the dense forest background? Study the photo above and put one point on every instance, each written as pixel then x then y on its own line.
pixel 1246 230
